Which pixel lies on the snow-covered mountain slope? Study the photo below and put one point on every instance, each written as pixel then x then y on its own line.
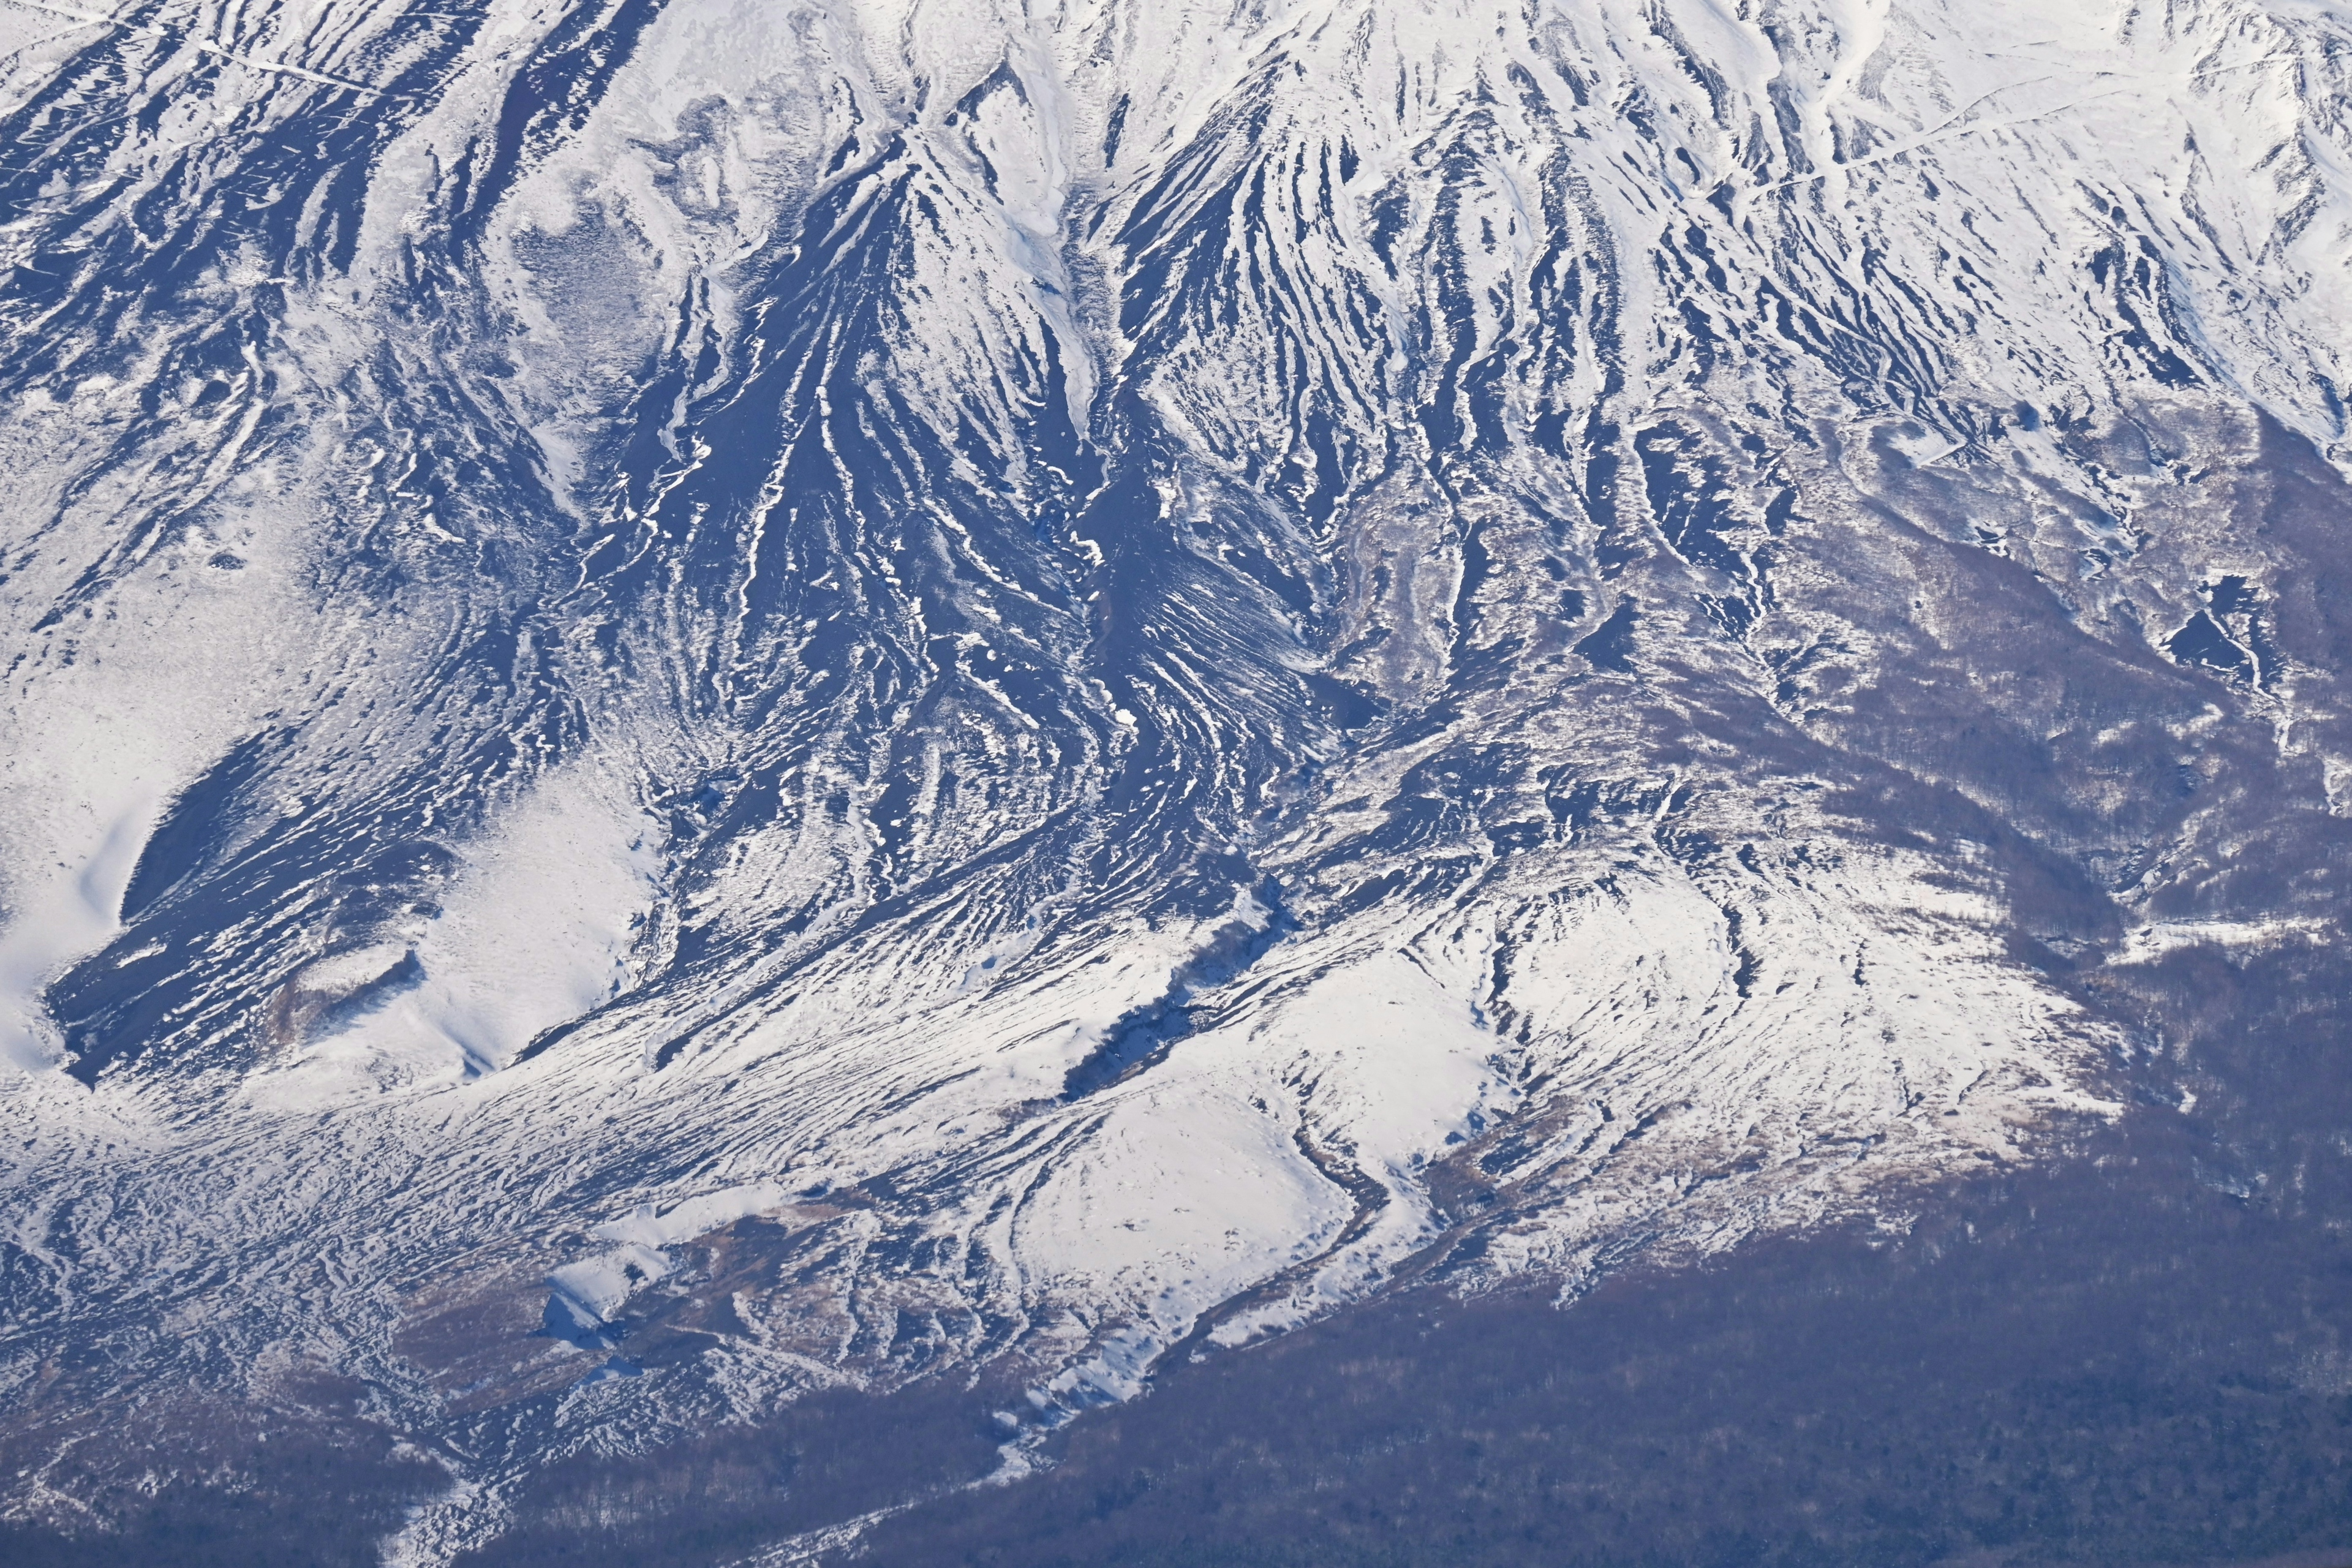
pixel 706 701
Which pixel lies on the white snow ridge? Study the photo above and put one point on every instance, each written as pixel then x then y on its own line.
pixel 707 701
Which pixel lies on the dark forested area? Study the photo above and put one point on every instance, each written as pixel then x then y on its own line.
pixel 2142 1355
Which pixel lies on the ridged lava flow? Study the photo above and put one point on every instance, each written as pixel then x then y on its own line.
pixel 707 700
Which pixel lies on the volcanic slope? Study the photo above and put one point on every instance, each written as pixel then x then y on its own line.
pixel 708 701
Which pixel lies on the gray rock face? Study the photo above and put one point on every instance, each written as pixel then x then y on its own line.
pixel 706 702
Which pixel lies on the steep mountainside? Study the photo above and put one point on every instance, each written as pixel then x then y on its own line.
pixel 707 703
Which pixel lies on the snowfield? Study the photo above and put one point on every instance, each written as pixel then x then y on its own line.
pixel 708 700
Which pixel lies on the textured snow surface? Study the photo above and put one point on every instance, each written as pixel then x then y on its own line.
pixel 1040 686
